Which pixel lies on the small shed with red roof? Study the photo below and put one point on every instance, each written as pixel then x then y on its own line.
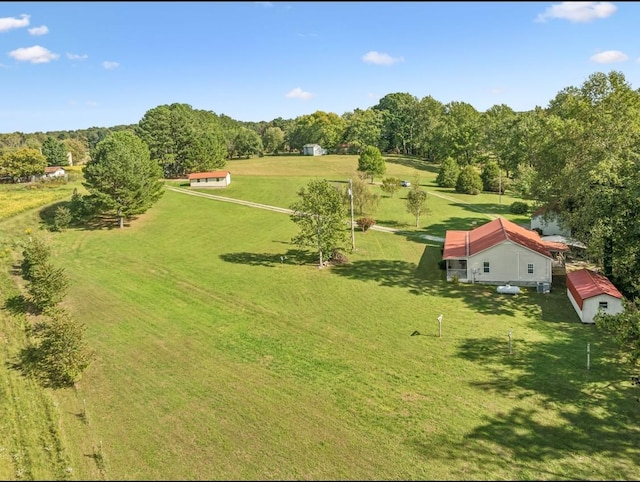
pixel 498 252
pixel 210 179
pixel 591 292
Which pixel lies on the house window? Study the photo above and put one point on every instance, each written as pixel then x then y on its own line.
pixel 485 266
pixel 530 268
pixel 603 305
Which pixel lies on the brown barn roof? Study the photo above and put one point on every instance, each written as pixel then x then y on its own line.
pixel 584 284
pixel 460 244
pixel 204 175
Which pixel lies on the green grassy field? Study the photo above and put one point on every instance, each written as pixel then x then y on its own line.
pixel 217 361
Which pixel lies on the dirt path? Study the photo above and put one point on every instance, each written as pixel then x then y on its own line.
pixel 281 210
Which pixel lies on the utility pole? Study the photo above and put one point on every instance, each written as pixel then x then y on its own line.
pixel 353 236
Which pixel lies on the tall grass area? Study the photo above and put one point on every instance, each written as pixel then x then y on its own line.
pixel 216 360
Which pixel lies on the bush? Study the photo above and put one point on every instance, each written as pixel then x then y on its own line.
pixel 47 285
pixel 442 264
pixel 338 258
pixel 469 181
pixel 365 223
pixel 34 254
pixel 519 207
pixel 60 353
pixel 62 218
pixel 448 173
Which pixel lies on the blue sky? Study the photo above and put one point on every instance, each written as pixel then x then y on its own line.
pixel 75 65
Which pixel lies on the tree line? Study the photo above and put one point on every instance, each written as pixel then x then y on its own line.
pixel 579 155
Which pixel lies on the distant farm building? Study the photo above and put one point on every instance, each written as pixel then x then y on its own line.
pixel 548 222
pixel 53 172
pixel 313 150
pixel 590 292
pixel 210 179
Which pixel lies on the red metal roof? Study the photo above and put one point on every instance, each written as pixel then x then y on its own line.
pixel 459 244
pixel 584 284
pixel 203 175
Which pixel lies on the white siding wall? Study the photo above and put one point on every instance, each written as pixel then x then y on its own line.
pixel 508 263
pixel 211 182
pixel 590 307
pixel 549 227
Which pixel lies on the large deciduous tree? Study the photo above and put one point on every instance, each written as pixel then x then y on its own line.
pixel 273 140
pixel 589 165
pixel 371 162
pixel 320 213
pixel 122 176
pixel 21 163
pixel 363 128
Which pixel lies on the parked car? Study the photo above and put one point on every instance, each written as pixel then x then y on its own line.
pixel 405 184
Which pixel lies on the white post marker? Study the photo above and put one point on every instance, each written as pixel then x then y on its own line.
pixel 588 354
pixel 440 326
pixel 509 334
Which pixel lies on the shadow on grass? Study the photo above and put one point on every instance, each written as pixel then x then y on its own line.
pixel 95 223
pixel 16 305
pixel 413 163
pixel 597 407
pixel 291 256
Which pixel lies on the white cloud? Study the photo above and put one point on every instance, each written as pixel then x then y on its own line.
pixel 35 55
pixel 91 103
pixel 110 65
pixel 498 90
pixel 8 23
pixel 265 4
pixel 43 30
pixel 378 58
pixel 578 11
pixel 298 93
pixel 609 57
pixel 71 56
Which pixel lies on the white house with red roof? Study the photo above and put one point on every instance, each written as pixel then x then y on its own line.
pixel 210 179
pixel 591 292
pixel 499 252
pixel 54 172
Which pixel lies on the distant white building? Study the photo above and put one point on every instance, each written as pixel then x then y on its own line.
pixel 53 172
pixel 549 223
pixel 313 150
pixel 210 179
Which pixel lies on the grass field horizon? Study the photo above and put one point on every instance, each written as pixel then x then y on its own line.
pixel 217 361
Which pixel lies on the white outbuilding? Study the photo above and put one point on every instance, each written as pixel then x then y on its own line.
pixel 590 292
pixel 210 179
pixel 313 150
